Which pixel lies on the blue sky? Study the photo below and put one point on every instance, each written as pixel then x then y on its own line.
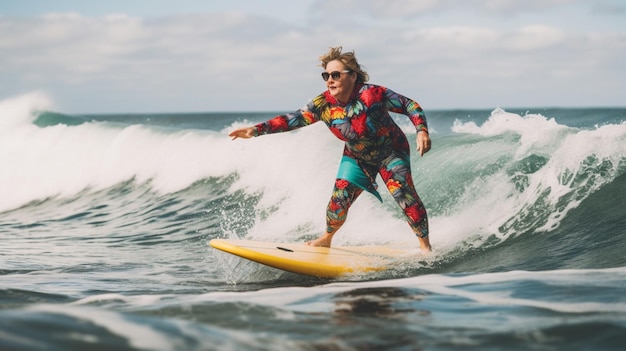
pixel 246 55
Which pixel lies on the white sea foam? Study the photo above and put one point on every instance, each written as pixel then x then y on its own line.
pixel 295 171
pixel 570 174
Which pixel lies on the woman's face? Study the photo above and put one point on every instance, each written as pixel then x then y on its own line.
pixel 340 88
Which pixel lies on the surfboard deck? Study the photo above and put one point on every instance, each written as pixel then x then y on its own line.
pixel 320 262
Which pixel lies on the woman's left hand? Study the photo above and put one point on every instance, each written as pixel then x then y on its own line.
pixel 423 142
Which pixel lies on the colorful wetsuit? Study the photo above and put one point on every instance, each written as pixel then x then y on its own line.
pixel 374 144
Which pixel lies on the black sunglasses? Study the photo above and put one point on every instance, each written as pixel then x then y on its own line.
pixel 335 74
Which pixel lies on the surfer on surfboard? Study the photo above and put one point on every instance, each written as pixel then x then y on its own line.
pixel 358 113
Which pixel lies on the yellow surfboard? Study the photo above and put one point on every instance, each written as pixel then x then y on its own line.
pixel 314 261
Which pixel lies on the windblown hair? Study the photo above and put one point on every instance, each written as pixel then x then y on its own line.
pixel 349 61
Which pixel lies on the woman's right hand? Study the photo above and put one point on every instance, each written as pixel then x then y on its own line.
pixel 245 133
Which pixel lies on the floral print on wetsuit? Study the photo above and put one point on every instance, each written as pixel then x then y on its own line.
pixel 372 139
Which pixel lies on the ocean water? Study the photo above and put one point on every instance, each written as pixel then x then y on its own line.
pixel 104 223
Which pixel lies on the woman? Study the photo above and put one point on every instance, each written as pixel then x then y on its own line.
pixel 358 113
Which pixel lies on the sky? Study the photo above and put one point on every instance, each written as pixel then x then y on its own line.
pixel 150 56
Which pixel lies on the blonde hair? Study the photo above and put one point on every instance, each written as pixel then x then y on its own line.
pixel 349 61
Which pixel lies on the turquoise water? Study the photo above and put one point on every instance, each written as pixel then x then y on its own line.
pixel 104 222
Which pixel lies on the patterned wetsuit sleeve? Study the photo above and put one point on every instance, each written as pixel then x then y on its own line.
pixel 401 104
pixel 290 121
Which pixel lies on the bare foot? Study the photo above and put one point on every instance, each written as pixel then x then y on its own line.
pixel 323 241
pixel 425 245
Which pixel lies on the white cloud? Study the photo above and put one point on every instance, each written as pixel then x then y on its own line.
pixel 238 61
pixel 384 9
pixel 512 6
pixel 534 37
pixel 413 8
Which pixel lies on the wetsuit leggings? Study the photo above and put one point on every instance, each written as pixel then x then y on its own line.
pixel 396 173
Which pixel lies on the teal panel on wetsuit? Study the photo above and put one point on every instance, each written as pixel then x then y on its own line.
pixel 350 170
